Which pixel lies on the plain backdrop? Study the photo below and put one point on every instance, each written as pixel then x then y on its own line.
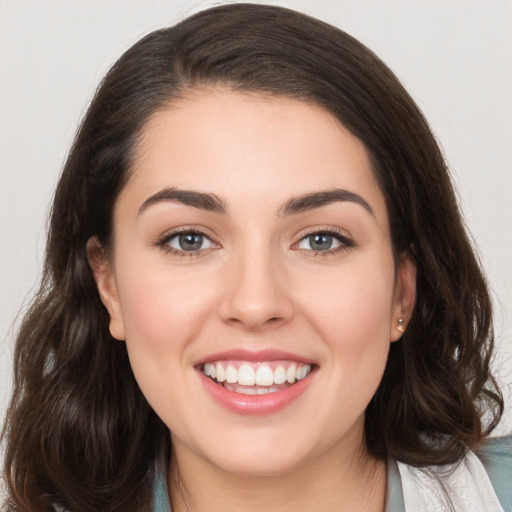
pixel 454 57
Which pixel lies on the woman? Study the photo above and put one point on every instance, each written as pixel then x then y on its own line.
pixel 258 291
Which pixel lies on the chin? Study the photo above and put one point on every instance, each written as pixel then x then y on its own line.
pixel 259 452
pixel 260 466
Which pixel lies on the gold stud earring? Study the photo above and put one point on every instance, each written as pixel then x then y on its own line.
pixel 400 326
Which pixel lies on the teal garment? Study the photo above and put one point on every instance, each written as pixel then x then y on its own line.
pixel 161 497
pixel 394 493
pixel 496 457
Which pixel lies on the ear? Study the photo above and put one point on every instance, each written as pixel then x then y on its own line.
pixel 404 296
pixel 107 288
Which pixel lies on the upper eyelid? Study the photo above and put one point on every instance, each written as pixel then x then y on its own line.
pixel 341 235
pixel 171 233
pixel 213 237
pixel 331 230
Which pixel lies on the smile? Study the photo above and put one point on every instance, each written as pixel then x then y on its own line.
pixel 256 383
pixel 256 378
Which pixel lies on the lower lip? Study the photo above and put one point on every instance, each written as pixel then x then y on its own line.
pixel 268 403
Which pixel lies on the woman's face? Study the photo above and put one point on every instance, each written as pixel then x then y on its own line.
pixel 252 245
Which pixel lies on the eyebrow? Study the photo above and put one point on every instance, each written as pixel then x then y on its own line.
pixel 201 200
pixel 213 203
pixel 318 199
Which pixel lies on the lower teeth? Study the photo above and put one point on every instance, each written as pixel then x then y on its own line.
pixel 251 390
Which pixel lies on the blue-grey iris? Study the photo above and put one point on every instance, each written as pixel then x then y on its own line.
pixel 320 242
pixel 190 242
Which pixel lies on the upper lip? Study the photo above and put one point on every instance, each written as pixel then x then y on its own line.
pixel 254 356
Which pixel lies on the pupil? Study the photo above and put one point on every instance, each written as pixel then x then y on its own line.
pixel 191 241
pixel 320 242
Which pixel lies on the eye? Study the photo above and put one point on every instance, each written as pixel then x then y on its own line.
pixel 190 242
pixel 324 241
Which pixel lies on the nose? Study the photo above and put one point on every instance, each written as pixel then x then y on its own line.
pixel 257 294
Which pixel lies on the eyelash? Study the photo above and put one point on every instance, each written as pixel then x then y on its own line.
pixel 345 242
pixel 163 242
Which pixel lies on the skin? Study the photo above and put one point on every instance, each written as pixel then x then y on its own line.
pixel 257 283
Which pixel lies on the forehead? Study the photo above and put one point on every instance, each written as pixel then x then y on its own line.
pixel 249 146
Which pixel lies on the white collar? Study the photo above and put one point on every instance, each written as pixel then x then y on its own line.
pixel 462 487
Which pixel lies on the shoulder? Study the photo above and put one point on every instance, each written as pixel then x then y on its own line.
pixel 496 456
pixel 479 482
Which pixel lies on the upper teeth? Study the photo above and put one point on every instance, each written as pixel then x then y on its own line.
pixel 264 375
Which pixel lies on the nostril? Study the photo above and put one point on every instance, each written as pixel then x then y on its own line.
pixel 272 320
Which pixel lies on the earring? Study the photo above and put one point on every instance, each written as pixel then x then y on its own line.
pixel 400 326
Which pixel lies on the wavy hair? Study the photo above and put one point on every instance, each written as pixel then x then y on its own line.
pixel 79 433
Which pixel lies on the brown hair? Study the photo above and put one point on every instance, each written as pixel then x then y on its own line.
pixel 79 433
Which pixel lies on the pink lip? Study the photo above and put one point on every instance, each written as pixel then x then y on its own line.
pixel 255 404
pixel 254 356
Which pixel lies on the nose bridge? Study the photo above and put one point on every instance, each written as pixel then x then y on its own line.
pixel 257 294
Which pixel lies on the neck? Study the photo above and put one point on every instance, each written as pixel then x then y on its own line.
pixel 344 483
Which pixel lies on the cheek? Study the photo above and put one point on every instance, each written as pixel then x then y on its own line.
pixel 160 308
pixel 353 317
pixel 356 304
pixel 163 313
